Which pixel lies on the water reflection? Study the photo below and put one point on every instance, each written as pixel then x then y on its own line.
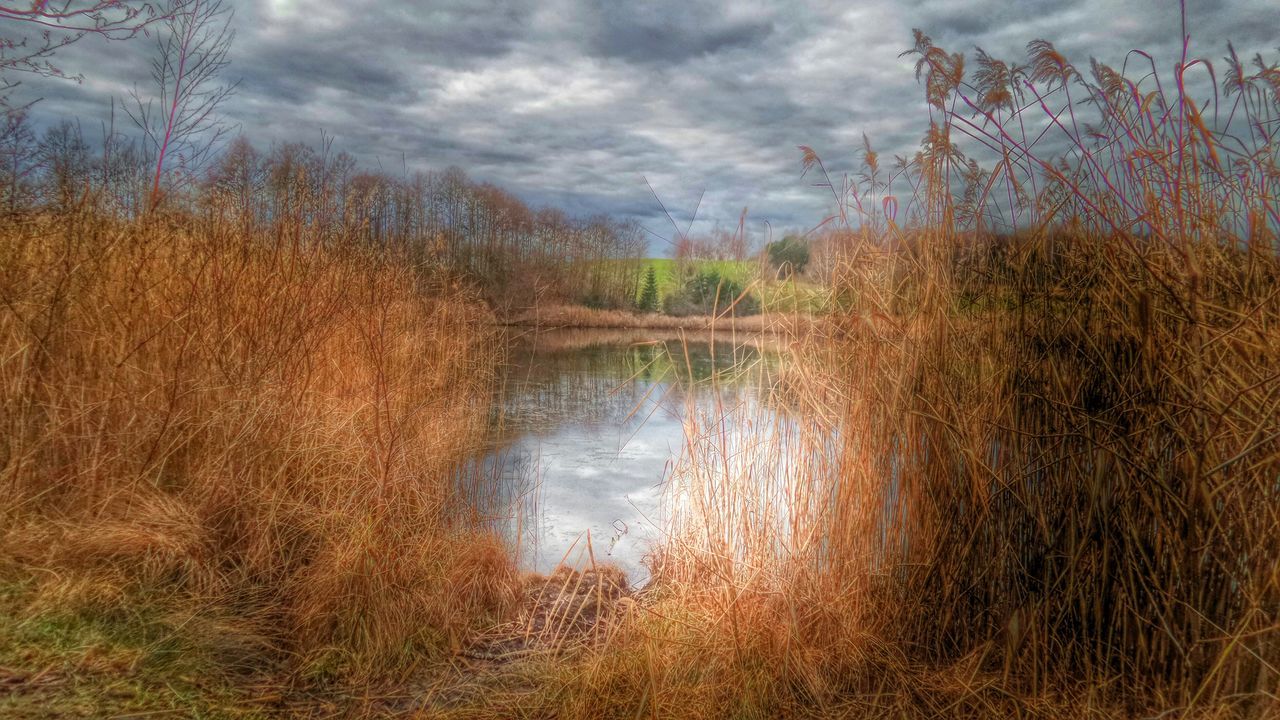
pixel 588 423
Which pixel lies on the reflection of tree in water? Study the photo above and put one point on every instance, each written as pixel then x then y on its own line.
pixel 608 383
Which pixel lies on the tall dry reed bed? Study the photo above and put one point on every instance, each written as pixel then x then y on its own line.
pixel 256 435
pixel 1057 484
pixel 1087 413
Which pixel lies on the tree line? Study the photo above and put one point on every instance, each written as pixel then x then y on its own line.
pixel 515 254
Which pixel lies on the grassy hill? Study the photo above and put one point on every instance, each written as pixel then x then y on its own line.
pixel 668 271
pixel 777 295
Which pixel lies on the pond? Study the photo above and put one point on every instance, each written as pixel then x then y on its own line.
pixel 588 425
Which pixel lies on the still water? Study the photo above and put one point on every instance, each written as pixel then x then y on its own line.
pixel 589 424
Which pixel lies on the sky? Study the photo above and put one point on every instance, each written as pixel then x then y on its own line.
pixel 586 104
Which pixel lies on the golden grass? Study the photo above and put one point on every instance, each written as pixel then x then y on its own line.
pixel 1050 489
pixel 1034 475
pixel 981 538
pixel 578 316
pixel 569 339
pixel 266 433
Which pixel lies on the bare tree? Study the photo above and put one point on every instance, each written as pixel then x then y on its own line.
pixel 19 158
pixel 191 52
pixel 67 166
pixel 34 30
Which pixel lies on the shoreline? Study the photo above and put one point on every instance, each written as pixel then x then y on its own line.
pixel 566 317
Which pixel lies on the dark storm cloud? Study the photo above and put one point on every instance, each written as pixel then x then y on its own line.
pixel 577 103
pixel 669 32
pixel 947 20
pixel 295 75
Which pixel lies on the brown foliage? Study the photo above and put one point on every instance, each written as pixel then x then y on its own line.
pixel 268 433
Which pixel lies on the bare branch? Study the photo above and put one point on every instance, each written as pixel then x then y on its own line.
pixel 35 31
pixel 191 52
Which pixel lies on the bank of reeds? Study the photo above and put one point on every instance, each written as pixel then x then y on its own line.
pixel 554 317
pixel 252 433
pixel 1043 483
pixel 1052 489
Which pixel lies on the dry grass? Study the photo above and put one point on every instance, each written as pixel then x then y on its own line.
pixel 578 316
pixel 1036 476
pixel 1050 490
pixel 261 434
pixel 539 340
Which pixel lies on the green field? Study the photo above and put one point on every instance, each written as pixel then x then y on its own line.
pixel 668 271
pixel 775 295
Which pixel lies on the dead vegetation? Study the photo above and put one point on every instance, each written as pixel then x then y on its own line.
pixel 261 436
pixel 1044 484
pixel 1051 488
pixel 581 317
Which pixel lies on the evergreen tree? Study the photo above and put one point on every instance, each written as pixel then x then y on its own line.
pixel 649 294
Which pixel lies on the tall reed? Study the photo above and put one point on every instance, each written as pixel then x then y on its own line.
pixel 259 434
pixel 1050 489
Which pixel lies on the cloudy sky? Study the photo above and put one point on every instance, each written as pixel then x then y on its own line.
pixel 575 103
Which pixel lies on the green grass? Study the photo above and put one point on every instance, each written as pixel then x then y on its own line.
pixel 668 271
pixel 57 663
pixel 795 295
